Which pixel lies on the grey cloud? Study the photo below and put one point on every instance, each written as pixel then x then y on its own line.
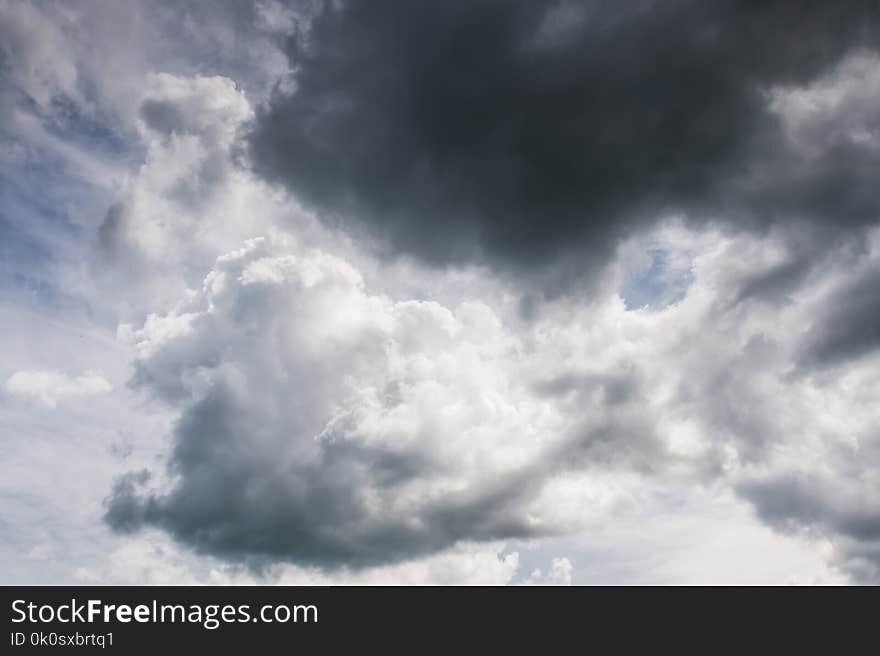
pixel 832 506
pixel 775 285
pixel 809 501
pixel 164 116
pixel 616 435
pixel 463 130
pixel 808 255
pixel 111 228
pixel 126 513
pixel 241 496
pixel 614 388
pixel 847 325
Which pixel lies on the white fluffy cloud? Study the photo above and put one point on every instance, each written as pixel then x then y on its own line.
pixel 50 387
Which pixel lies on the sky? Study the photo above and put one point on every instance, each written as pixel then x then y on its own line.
pixel 545 292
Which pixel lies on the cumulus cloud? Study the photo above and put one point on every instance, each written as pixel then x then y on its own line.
pixel 50 387
pixel 324 424
pixel 536 135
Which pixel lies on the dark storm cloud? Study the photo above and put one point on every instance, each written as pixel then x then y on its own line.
pixel 538 133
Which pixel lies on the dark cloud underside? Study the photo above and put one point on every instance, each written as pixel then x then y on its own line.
pixel 525 132
pixel 238 499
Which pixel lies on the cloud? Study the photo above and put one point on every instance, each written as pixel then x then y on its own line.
pixel 73 76
pixel 559 574
pixel 333 416
pixel 535 136
pixel 210 106
pixel 50 387
pixel 829 505
pixel 156 560
pixel 848 324
pixel 274 16
pixel 34 54
pixel 325 425
pixel 779 392
pixel 190 200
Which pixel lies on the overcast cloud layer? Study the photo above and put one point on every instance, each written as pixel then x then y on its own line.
pixel 532 292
